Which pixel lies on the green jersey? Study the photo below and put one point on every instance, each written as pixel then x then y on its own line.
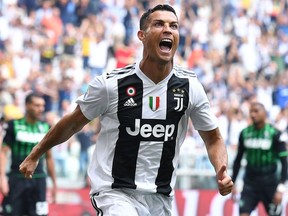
pixel 263 149
pixel 21 137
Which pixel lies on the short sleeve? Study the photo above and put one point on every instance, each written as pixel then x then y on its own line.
pixel 200 112
pixel 9 137
pixel 95 100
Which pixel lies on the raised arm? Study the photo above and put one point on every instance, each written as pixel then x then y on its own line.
pixel 218 157
pixel 61 132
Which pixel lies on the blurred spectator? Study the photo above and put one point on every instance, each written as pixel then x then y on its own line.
pixel 223 116
pixel 22 67
pixel 281 120
pixel 67 11
pixel 240 23
pixel 231 52
pixel 86 138
pixel 29 5
pixel 85 49
pixel 4 33
pixel 47 51
pixel 124 54
pixel 281 91
pixel 60 153
pixel 200 29
pixel 248 89
pixel 16 36
pixel 264 91
pixel 184 36
pixel 53 25
pixel 98 49
pixel 128 20
pixel 64 93
pixel 195 55
pixel 45 10
pixel 237 123
pixel 249 57
pixel 13 110
pixel 70 40
pixel 48 93
pixel 83 9
pixel 5 97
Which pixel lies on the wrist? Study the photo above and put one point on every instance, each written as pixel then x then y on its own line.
pixel 281 188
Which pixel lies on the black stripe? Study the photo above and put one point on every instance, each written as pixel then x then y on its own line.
pixel 94 204
pixel 176 86
pixel 126 150
pixel 184 72
pixel 120 71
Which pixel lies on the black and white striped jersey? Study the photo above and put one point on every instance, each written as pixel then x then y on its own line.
pixel 143 125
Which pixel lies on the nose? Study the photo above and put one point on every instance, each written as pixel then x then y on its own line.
pixel 41 109
pixel 252 114
pixel 167 28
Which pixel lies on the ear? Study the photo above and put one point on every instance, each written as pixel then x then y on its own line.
pixel 141 35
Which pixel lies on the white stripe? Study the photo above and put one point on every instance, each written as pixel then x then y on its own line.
pixel 154 91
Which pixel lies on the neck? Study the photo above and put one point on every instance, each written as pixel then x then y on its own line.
pixel 259 125
pixel 155 71
pixel 30 120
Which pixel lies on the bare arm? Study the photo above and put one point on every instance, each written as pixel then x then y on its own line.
pixel 4 188
pixel 218 156
pixel 61 132
pixel 215 147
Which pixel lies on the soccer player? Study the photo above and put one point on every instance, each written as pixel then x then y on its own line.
pixel 144 110
pixel 23 196
pixel 264 146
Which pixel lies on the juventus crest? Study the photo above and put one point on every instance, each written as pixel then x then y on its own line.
pixel 179 97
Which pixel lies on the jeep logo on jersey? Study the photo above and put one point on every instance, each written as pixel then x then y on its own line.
pixel 178 96
pixel 156 132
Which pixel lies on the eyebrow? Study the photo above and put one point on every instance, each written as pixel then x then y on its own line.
pixel 160 20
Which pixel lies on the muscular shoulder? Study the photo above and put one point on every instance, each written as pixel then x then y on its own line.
pixel 105 84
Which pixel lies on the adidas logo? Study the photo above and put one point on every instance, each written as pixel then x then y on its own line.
pixel 130 102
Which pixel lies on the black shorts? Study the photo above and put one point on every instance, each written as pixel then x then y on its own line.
pixel 26 197
pixel 252 195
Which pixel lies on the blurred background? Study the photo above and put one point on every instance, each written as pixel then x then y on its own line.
pixel 238 49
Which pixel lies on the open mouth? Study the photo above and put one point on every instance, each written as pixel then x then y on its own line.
pixel 165 44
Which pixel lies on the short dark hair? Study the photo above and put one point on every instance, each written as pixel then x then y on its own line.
pixel 159 7
pixel 30 97
pixel 258 104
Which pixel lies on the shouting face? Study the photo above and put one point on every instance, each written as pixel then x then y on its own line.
pixel 160 37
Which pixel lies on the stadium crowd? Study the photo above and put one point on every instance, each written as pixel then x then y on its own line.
pixel 238 48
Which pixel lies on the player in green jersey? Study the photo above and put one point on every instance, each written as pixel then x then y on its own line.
pixel 22 196
pixel 264 148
